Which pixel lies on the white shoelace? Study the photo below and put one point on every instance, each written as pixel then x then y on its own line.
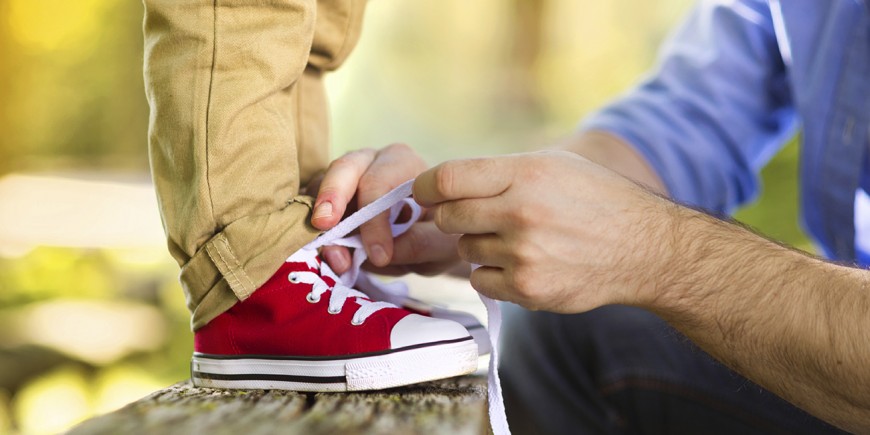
pixel 340 292
pixel 395 201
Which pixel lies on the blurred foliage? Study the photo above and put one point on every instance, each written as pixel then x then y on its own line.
pixel 457 79
pixel 452 78
pixel 71 81
pixel 53 272
pixel 47 380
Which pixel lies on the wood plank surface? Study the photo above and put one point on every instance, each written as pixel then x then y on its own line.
pixel 454 406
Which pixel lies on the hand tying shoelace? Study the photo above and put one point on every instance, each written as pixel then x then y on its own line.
pixel 395 201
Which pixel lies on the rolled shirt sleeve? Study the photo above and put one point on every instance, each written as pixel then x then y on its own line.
pixel 716 108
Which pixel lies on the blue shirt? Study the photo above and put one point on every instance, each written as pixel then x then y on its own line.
pixel 734 83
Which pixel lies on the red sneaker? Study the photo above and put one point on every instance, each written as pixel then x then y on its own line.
pixel 304 331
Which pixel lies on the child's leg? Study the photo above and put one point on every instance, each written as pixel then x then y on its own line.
pixel 238 122
pixel 336 32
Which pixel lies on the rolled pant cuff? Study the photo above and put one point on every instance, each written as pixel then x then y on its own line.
pixel 240 258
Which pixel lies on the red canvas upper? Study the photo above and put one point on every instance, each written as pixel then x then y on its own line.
pixel 278 320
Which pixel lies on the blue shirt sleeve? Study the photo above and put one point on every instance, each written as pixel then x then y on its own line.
pixel 716 108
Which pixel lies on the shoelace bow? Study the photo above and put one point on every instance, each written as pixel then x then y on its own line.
pixel 395 201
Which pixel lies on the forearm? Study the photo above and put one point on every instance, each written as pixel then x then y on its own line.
pixel 612 152
pixel 794 324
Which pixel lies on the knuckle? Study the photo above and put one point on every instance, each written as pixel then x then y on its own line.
pixel 444 178
pixel 369 180
pixel 525 254
pixel 448 212
pixel 362 152
pixel 439 218
pixel 519 217
pixel 410 160
pixel 534 172
pixel 340 163
pixel 350 158
pixel 372 185
pixel 407 152
pixel 399 147
pixel 532 305
pixel 465 249
pixel 522 282
pixel 477 283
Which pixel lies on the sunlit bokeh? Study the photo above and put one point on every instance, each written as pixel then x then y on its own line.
pixel 53 402
pixel 55 25
pixel 91 313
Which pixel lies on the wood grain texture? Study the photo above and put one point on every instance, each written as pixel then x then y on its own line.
pixel 454 406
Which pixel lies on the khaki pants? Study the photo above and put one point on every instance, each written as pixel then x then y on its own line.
pixel 238 123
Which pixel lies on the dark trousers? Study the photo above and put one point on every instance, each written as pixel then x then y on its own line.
pixel 623 370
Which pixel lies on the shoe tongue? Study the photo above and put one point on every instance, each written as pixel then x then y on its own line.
pixel 305 257
pixel 307 260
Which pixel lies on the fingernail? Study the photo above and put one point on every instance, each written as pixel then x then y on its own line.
pixel 323 210
pixel 336 260
pixel 378 255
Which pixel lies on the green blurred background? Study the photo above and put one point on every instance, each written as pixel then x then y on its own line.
pixel 91 314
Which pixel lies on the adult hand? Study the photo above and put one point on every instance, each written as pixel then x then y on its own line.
pixel 551 230
pixel 366 175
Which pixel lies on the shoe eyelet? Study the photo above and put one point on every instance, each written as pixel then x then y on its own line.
pixel 329 310
pixel 311 298
pixel 355 323
pixel 293 277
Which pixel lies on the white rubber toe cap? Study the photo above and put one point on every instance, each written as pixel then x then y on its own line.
pixel 477 331
pixel 416 329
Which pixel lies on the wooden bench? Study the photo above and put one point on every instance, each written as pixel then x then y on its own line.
pixel 454 406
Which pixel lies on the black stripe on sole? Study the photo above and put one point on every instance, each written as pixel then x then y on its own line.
pixel 331 358
pixel 263 377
